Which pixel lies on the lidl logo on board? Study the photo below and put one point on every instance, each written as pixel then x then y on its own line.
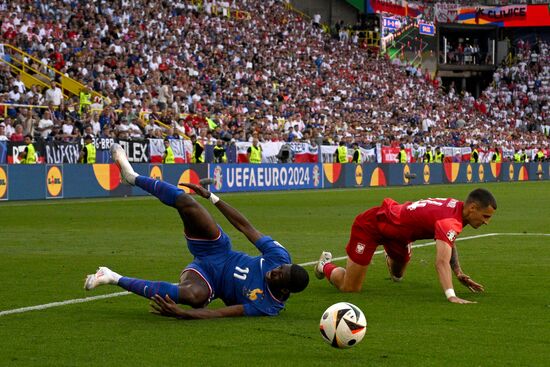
pixel 427 174
pixel 469 173
pixel 156 173
pixel 359 175
pixel 481 173
pixel 54 181
pixel 3 183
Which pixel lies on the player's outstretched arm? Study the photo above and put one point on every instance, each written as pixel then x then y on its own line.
pixel 463 278
pixel 167 307
pixel 238 220
pixel 442 264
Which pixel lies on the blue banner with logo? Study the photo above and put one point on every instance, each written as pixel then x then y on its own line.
pixel 3 152
pixel 265 177
pixel 56 181
pixel 391 23
pixel 426 29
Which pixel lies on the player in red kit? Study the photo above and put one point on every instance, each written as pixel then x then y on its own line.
pixel 396 226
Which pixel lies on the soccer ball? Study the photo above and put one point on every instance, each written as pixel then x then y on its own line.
pixel 343 325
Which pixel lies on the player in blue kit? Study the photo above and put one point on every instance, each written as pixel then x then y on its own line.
pixel 249 286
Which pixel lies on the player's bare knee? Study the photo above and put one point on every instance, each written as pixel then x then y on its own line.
pixel 185 201
pixel 351 288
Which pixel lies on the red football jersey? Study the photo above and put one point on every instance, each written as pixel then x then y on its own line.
pixel 440 219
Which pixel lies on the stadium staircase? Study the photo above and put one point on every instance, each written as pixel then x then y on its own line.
pixel 21 65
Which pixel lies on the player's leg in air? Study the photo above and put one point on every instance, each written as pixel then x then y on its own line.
pixel 193 289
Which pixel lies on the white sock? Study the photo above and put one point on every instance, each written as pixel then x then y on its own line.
pixel 128 172
pixel 116 276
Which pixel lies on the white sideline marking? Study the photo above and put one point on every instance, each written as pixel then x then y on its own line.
pixel 62 303
pixel 111 295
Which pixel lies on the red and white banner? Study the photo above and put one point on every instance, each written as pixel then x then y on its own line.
pixel 182 150
pixel 398 7
pixel 328 151
pixel 389 154
pixel 305 153
pixel 302 152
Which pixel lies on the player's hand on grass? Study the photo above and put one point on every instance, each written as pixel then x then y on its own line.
pixel 470 283
pixel 201 191
pixel 459 300
pixel 165 306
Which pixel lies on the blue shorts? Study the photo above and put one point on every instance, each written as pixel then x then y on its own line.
pixel 210 258
pixel 208 248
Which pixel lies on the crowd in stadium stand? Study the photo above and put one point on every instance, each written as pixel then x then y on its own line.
pixel 274 76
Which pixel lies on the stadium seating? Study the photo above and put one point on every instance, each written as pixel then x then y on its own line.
pixel 262 73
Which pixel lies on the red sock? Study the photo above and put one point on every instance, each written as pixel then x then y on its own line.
pixel 328 269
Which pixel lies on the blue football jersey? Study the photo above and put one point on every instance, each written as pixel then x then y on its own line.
pixel 243 280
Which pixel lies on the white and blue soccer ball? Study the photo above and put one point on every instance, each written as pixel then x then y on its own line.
pixel 343 325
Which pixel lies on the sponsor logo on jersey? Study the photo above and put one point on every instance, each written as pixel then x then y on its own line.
pixel 253 294
pixel 451 235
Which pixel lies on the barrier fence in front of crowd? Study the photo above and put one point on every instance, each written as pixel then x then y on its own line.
pixel 152 150
pixel 55 181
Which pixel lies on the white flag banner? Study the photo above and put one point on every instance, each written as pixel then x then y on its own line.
pixel 368 155
pixel 269 151
pixel 182 150
pixel 327 153
pixel 446 13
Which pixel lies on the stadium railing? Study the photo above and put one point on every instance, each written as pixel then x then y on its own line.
pixel 30 76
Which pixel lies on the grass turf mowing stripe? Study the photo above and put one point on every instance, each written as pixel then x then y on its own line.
pixel 111 295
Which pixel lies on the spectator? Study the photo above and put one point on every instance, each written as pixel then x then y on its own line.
pixel 10 129
pixel 311 75
pixel 45 125
pixel 53 95
pixel 18 135
pixel 3 136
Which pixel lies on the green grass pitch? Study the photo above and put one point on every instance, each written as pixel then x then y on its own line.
pixel 47 248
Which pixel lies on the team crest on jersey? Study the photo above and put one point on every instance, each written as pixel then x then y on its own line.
pixel 451 235
pixel 452 203
pixel 360 248
pixel 253 294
